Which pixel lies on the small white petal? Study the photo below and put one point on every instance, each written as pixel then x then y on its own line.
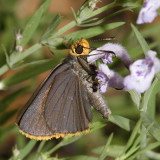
pixel 148 12
pixel 94 55
pixel 103 88
pixel 156 61
pixel 119 51
pixel 104 68
pixel 141 76
pixel 131 83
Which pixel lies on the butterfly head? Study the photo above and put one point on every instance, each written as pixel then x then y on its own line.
pixel 80 48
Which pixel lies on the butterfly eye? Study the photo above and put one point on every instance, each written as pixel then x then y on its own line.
pixel 80 48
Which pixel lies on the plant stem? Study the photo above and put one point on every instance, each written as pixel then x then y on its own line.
pixel 63 30
pixel 16 57
pixel 54 149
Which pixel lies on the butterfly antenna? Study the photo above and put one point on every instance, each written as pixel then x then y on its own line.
pixel 104 39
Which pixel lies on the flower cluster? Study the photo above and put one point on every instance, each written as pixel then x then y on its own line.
pixel 141 74
pixel 148 12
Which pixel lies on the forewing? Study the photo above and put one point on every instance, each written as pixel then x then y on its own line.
pixel 31 117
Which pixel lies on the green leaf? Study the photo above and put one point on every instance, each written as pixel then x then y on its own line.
pixel 3 69
pixel 133 136
pixel 17 57
pixel 74 14
pixel 136 97
pixel 85 24
pixel 97 125
pixel 153 155
pixel 54 24
pixel 34 22
pixel 6 55
pixel 31 71
pixel 112 150
pixel 144 149
pixel 80 157
pixel 66 140
pixel 150 147
pixel 151 125
pixel 121 121
pixel 155 87
pixel 141 40
pixel 59 43
pixel 105 150
pixel 126 3
pixel 102 9
pixel 26 150
pixel 148 101
pixel 94 31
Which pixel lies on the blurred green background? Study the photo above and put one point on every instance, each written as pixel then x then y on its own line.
pixel 14 14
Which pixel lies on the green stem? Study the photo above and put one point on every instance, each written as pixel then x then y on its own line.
pixel 16 57
pixel 25 151
pixel 63 30
pixel 54 149
pixel 103 9
pixel 3 69
pixel 41 146
pixel 40 149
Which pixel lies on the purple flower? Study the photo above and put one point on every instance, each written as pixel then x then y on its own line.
pixel 108 78
pixel 142 73
pixel 103 76
pixel 148 11
pixel 107 51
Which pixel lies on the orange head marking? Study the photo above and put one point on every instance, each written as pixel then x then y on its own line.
pixel 80 48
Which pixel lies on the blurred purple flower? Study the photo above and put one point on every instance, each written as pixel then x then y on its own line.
pixel 142 73
pixel 108 78
pixel 148 11
pixel 107 51
pixel 103 75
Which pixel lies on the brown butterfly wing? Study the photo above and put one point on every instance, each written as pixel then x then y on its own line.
pixel 67 109
pixel 60 95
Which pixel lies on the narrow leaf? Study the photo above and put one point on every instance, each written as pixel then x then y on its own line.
pixel 141 40
pixel 94 31
pixel 136 97
pixel 148 101
pixel 26 150
pixel 34 22
pixel 104 153
pixel 121 121
pixel 80 157
pixel 97 125
pixel 151 125
pixel 31 71
pixel 153 155
pixel 133 136
pixel 54 24
pixel 66 140
pixel 113 150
